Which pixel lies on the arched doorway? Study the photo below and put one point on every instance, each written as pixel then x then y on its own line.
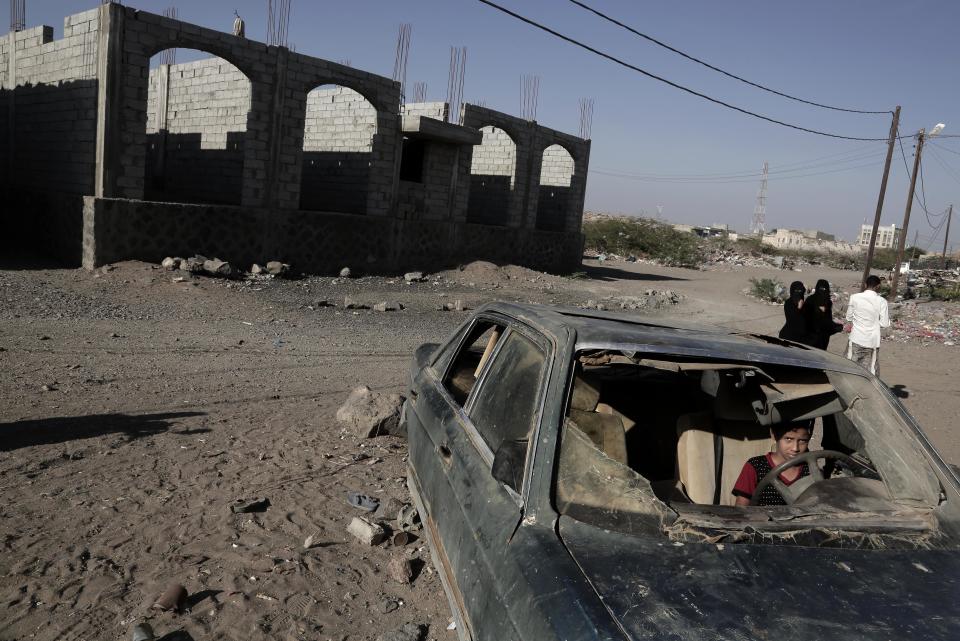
pixel 492 178
pixel 553 200
pixel 196 127
pixel 338 137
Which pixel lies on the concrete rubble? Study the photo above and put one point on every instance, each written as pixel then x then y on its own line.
pixel 367 413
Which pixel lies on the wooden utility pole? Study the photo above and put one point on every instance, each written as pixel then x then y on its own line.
pixel 894 126
pixel 906 217
pixel 946 236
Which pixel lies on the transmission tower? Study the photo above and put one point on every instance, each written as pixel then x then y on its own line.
pixel 759 224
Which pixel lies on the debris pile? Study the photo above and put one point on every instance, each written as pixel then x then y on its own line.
pixel 217 268
pixel 932 322
pixel 652 300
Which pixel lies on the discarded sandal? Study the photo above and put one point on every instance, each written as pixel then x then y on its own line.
pixel 362 501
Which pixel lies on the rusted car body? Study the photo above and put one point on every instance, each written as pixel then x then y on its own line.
pixel 573 472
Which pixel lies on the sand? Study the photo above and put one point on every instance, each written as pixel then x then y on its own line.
pixel 169 400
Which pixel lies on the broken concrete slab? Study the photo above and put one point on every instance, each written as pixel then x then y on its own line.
pixel 400 569
pixel 368 413
pixel 349 303
pixel 277 268
pixel 414 277
pixel 366 532
pixel 221 268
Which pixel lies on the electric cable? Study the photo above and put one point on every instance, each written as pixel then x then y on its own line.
pixel 779 168
pixel 583 5
pixel 723 182
pixel 675 85
pixel 717 177
pixel 946 166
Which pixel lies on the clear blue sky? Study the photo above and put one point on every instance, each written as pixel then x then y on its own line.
pixel 867 54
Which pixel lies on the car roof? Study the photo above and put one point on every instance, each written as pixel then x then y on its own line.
pixel 663 335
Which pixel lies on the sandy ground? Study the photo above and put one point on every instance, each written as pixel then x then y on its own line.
pixel 169 400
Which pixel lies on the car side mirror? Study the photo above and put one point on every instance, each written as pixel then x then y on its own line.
pixel 508 463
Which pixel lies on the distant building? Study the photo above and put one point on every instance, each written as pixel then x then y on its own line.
pixel 887 237
pixel 715 230
pixel 806 239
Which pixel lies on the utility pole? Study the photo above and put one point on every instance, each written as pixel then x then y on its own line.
pixel 946 236
pixel 894 126
pixel 916 237
pixel 906 217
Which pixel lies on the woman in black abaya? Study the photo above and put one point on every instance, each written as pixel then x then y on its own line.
pixel 795 327
pixel 818 312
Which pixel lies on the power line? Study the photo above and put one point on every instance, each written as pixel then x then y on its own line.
pixel 946 166
pixel 717 69
pixel 665 81
pixel 952 151
pixel 724 182
pixel 751 175
pixel 855 154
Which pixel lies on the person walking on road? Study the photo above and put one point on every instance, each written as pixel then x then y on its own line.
pixel 867 313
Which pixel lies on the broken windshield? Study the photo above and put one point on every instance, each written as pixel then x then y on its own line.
pixel 650 442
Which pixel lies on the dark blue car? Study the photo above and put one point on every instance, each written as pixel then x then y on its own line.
pixel 574 471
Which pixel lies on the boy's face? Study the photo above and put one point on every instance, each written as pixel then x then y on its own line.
pixel 793 443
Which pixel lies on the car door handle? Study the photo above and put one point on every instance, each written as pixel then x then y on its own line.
pixel 444 451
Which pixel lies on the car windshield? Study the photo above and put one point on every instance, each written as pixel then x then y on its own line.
pixel 654 443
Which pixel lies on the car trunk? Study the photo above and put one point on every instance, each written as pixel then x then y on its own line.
pixel 658 588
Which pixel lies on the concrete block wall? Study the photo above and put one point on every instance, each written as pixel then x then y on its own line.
pixel 196 125
pixel 210 97
pixel 493 173
pixel 553 196
pixel 304 74
pixel 531 140
pixel 318 242
pixel 556 168
pixel 279 83
pixel 435 196
pixel 49 93
pixel 558 206
pixel 339 119
pixel 435 110
pixel 340 126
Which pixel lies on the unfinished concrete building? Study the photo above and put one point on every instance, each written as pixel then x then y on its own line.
pixel 261 153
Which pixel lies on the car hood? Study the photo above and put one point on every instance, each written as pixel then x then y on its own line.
pixel 656 589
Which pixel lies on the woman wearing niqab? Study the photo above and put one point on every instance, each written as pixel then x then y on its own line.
pixel 795 327
pixel 818 312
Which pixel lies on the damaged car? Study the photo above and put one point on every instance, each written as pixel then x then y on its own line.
pixel 575 470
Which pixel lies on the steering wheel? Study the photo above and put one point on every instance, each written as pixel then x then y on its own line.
pixel 792 492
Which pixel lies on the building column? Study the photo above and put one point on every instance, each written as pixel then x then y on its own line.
pixel 109 100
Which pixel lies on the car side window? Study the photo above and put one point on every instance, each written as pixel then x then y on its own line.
pixel 469 362
pixel 506 404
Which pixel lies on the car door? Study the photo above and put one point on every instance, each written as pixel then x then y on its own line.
pixel 472 514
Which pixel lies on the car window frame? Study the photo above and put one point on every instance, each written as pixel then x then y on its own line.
pixel 543 343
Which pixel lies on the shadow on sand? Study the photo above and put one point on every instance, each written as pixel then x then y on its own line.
pixel 47 431
pixel 602 272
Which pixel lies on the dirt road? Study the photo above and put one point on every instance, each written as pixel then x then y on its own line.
pixel 136 409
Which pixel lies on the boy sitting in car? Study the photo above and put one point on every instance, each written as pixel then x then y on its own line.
pixel 791 440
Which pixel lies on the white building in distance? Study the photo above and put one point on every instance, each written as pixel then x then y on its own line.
pixel 887 237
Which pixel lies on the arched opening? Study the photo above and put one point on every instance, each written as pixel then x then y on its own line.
pixel 196 126
pixel 338 137
pixel 492 177
pixel 553 200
